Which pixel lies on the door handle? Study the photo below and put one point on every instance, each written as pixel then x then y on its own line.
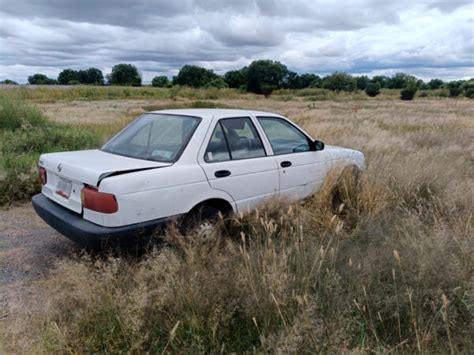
pixel 285 164
pixel 221 173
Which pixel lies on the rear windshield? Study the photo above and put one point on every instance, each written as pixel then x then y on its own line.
pixel 156 137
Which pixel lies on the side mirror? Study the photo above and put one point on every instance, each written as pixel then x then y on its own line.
pixel 317 146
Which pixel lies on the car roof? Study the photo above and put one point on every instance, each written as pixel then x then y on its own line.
pixel 209 113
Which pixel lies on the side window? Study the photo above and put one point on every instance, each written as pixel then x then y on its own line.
pixel 217 149
pixel 243 139
pixel 233 139
pixel 284 137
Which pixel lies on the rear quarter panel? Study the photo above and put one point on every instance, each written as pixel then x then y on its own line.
pixel 155 193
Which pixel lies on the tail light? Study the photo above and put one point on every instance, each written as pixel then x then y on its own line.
pixel 43 177
pixel 97 201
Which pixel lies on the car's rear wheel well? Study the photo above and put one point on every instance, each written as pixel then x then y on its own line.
pixel 222 205
pixel 206 211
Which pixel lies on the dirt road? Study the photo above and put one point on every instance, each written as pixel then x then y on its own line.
pixel 29 248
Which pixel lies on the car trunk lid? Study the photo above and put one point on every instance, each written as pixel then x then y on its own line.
pixel 69 172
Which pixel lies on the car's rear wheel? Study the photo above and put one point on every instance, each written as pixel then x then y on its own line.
pixel 202 219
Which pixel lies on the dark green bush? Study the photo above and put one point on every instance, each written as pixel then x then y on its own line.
pixel 455 91
pixel 160 82
pixel 469 89
pixel 372 89
pixel 408 93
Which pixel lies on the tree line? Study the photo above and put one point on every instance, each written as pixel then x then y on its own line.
pixel 260 77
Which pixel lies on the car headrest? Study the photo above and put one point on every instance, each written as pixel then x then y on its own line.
pixel 235 124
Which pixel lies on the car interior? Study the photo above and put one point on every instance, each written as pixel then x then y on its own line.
pixel 238 135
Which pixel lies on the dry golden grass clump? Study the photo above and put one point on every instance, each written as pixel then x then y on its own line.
pixel 381 262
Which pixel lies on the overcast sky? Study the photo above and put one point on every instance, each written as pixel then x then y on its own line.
pixel 422 37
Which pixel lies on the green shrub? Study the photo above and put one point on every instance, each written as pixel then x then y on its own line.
pixel 15 113
pixel 160 82
pixel 218 83
pixel 469 89
pixel 408 93
pixel 455 88
pixel 470 93
pixel 372 89
pixel 25 134
pixel 19 178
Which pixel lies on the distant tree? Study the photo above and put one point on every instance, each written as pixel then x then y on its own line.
pixel 92 76
pixel 160 81
pixel 8 82
pixel 40 79
pixel 310 80
pixel 292 81
pixel 236 78
pixel 67 76
pixel 372 88
pixel 362 82
pixel 408 93
pixel 421 85
pixel 218 83
pixel 400 81
pixel 194 76
pixel 264 76
pixel 382 80
pixel 125 74
pixel 339 81
pixel 435 84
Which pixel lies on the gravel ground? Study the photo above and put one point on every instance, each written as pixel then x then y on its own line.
pixel 29 248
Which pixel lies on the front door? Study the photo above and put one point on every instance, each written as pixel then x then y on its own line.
pixel 302 171
pixel 235 161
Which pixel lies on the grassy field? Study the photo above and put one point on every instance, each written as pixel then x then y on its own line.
pixel 383 263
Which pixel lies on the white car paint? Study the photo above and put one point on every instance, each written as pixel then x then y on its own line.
pixel 148 190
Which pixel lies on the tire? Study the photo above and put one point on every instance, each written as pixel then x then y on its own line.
pixel 201 215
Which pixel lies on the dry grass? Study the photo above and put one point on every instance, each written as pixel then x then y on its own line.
pixel 377 264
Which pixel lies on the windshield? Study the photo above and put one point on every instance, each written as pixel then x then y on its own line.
pixel 157 137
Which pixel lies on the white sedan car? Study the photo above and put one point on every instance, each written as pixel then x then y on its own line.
pixel 174 163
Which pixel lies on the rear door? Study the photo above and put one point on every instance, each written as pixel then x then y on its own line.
pixel 234 160
pixel 301 170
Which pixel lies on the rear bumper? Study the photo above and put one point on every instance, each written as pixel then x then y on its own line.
pixel 91 235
